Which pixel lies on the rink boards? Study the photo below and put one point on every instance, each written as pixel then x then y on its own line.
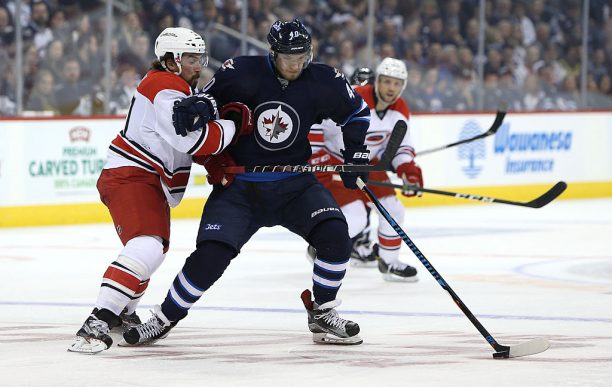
pixel 49 167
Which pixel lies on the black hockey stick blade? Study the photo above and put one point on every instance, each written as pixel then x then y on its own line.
pixel 395 140
pixel 499 118
pixel 538 202
pixel 548 196
pixel 531 347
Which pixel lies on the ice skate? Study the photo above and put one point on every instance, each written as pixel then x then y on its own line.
pixel 147 333
pixel 93 337
pixel 326 325
pixel 362 254
pixel 397 271
pixel 127 321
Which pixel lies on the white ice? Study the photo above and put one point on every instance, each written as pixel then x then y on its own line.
pixel 523 272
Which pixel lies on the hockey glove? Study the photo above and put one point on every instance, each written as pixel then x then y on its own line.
pixel 193 113
pixel 357 156
pixel 214 166
pixel 242 117
pixel 411 174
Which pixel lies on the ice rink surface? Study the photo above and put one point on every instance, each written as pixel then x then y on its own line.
pixel 523 272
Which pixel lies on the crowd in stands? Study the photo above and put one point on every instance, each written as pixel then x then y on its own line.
pixel 532 48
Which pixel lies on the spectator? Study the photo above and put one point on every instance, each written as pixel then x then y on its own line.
pixel 431 92
pixel 39 25
pixel 73 95
pixel 599 66
pixel 123 92
pixel 54 60
pixel 129 29
pixel 42 97
pixel 7 31
pixel 551 56
pixel 509 90
pixel 533 97
pixel 571 60
pixel 569 96
pixel 139 53
pixel 59 26
pixel 389 34
pixel 8 105
pixel 491 95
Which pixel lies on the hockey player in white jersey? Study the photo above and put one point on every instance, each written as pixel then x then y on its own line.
pixel 386 107
pixel 146 172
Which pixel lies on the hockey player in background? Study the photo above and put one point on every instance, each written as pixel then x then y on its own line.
pixel 287 94
pixel 146 171
pixel 387 107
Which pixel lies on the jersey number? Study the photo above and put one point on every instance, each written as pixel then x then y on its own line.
pixel 349 89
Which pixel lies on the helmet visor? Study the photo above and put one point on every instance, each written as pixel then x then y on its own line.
pixel 294 58
pixel 192 59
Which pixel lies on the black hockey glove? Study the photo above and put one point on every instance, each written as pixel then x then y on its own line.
pixel 360 156
pixel 193 113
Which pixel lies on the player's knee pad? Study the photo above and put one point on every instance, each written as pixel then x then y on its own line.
pixel 330 239
pixel 208 262
pixel 142 255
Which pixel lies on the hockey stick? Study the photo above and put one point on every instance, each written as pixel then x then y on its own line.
pixel 499 118
pixel 395 140
pixel 538 202
pixel 530 347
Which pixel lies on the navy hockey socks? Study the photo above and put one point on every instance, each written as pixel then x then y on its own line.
pixel 202 269
pixel 330 239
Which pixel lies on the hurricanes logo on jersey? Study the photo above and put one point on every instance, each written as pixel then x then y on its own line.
pixel 277 125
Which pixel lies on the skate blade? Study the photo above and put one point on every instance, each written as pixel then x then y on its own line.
pixel 395 278
pixel 88 346
pixel 357 263
pixel 326 338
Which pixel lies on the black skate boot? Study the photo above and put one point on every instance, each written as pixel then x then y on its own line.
pixel 147 333
pixel 362 255
pixel 129 320
pixel 397 271
pixel 93 337
pixel 326 325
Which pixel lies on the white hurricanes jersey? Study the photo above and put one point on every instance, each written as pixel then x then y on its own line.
pixel 149 140
pixel 328 135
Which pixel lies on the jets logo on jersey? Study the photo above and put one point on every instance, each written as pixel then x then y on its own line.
pixel 277 125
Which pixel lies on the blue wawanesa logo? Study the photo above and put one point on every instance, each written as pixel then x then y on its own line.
pixel 471 151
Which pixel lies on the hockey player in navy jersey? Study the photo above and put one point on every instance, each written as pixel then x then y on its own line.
pixel 287 94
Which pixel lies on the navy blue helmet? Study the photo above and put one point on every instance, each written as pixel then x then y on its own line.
pixel 289 38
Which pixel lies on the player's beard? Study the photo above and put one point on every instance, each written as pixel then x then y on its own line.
pixel 193 82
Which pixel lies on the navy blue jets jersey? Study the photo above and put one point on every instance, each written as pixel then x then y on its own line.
pixel 283 114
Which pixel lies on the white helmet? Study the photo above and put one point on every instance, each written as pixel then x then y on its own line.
pixel 179 40
pixel 394 68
